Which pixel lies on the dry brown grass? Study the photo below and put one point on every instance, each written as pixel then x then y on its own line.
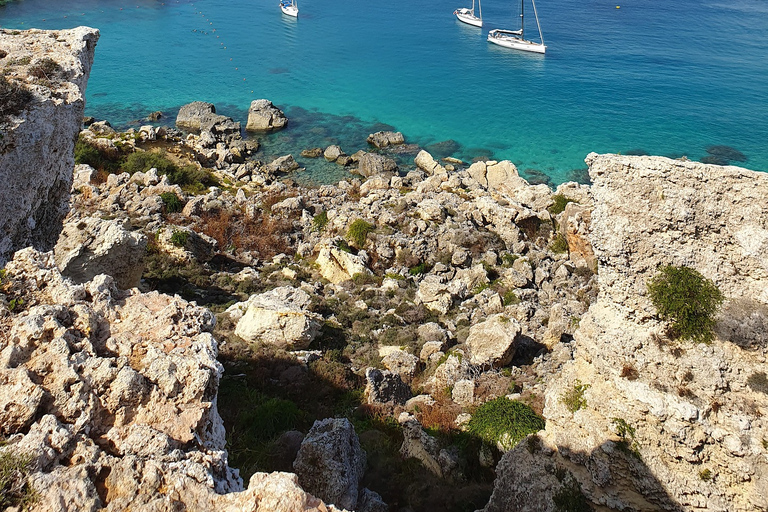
pixel 266 236
pixel 441 416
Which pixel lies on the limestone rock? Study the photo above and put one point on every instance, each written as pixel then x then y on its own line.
pixel 402 363
pixel 278 317
pixel 384 139
pixel 574 226
pixel 428 164
pixel 373 164
pixel 385 387
pixel 37 147
pixel 338 266
pixel 331 463
pixel 263 116
pixel 191 115
pixel 494 341
pixel 333 152
pixel 91 246
pixel 195 247
pixel 284 163
pixel 20 398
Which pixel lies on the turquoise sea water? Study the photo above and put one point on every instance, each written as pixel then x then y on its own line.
pixel 667 78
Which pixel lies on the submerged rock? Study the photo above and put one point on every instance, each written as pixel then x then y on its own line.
pixel 384 139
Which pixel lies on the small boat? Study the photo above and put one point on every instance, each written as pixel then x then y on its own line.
pixel 290 8
pixel 515 39
pixel 468 15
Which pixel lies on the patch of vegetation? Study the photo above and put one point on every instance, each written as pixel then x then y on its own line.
pixel 421 268
pixel 574 398
pixel 99 159
pixel 629 372
pixel 15 490
pixel 688 300
pixel 45 69
pixel 626 432
pixel 758 381
pixel 319 221
pixel 180 238
pixel 504 421
pixel 559 245
pixel 510 297
pixel 705 474
pixel 558 206
pixel 358 231
pixel 190 178
pixel 14 96
pixel 171 202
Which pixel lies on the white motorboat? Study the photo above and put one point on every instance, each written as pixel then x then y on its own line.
pixel 515 39
pixel 468 15
pixel 290 8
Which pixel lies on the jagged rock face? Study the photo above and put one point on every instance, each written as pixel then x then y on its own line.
pixel 265 117
pixel 92 246
pixel 113 396
pixel 37 145
pixel 385 387
pixel 692 416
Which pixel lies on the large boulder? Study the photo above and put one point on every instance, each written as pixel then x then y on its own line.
pixel 331 463
pixel 185 244
pixel 279 317
pixel 92 246
pixel 494 341
pixel 38 137
pixel 373 164
pixel 384 139
pixel 191 115
pixel 263 116
pixel 283 164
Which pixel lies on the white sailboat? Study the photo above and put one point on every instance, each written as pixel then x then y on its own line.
pixel 468 15
pixel 289 7
pixel 515 39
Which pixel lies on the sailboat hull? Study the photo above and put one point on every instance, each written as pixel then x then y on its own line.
pixel 514 42
pixel 466 16
pixel 290 10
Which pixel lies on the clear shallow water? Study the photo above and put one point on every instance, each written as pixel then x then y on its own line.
pixel 668 78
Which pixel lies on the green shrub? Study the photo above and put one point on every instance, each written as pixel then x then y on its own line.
pixel 573 398
pixel 142 161
pixel 688 300
pixel 421 268
pixel 171 202
pixel 559 245
pixel 504 421
pixel 510 297
pixel 570 498
pixel 190 178
pixel 319 221
pixel 558 206
pixel 180 238
pixel 627 434
pixel 14 96
pixel 15 490
pixel 358 232
pixel 705 474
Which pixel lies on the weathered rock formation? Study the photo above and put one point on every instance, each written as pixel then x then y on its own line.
pixel 265 117
pixel 37 142
pixel 668 424
pixel 113 396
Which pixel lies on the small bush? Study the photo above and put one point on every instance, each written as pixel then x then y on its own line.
pixel 421 268
pixel 15 490
pixel 358 232
pixel 629 372
pixel 627 434
pixel 574 397
pixel 46 69
pixel 190 178
pixel 180 238
pixel 171 202
pixel 705 474
pixel 319 221
pixel 142 161
pixel 504 421
pixel 14 96
pixel 510 297
pixel 559 204
pixel 688 300
pixel 559 245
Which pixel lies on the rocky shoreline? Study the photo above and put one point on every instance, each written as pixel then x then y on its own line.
pixel 356 330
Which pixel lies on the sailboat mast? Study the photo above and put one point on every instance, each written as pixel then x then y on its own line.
pixel 480 8
pixel 522 19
